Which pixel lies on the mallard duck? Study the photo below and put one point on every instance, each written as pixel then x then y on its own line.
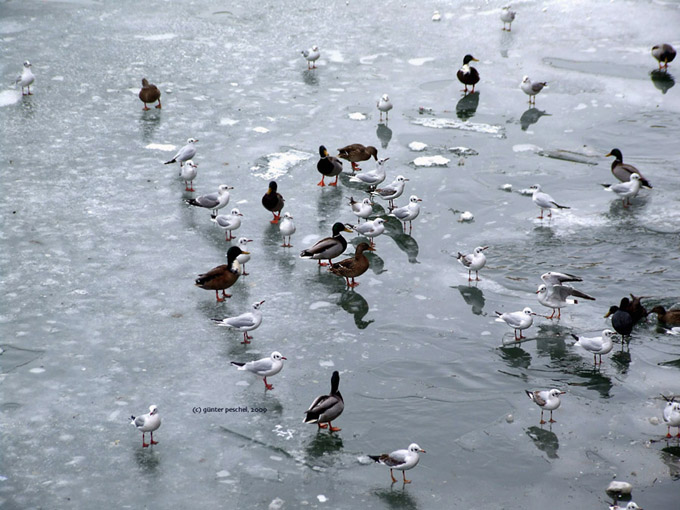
pixel 357 152
pixel 664 53
pixel 328 166
pixel 25 79
pixel 623 171
pixel 353 266
pixel 326 408
pixel 329 247
pixel 547 400
pixel 222 277
pixel 467 74
pixel 184 154
pixel 265 367
pixel 149 94
pixel 666 316
pixel 531 88
pixel 401 460
pixel 148 422
pixel 384 105
pixel 273 201
pixel 507 17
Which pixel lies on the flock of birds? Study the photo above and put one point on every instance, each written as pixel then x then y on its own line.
pixel 554 293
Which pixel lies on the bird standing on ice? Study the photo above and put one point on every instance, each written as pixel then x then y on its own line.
pixel 147 423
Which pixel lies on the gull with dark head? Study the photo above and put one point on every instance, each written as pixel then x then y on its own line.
pixel 531 89
pixel 311 56
pixel 544 201
pixel 265 367
pixel 518 321
pixel 185 153
pixel 408 212
pixel 148 422
pixel 26 79
pixel 547 400
pixel 401 460
pixel 245 322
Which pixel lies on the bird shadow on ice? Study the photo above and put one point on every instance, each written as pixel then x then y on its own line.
pixel 618 212
pixel 397 499
pixel 515 357
pixel 328 201
pixel 474 297
pixel 147 459
pixel 621 361
pixel 545 440
pixel 506 42
pixel 662 80
pixel 670 455
pixel 592 376
pixel 466 107
pixel 384 134
pixel 322 444
pixel 405 243
pixel 149 123
pixel 530 117
pixel 355 304
pixel 310 77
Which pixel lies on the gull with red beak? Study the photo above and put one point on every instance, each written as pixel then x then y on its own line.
pixel 265 367
pixel 245 322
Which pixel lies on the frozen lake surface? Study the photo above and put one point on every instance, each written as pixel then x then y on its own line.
pixel 100 317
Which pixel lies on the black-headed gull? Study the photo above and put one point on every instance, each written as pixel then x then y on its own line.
pixel 392 191
pixel 326 408
pixel 372 177
pixel 626 190
pixel 401 460
pixel 188 173
pixel 598 345
pixel 557 297
pixel 287 229
pixel 507 17
pixel 531 89
pixel 384 105
pixel 149 94
pixel 474 261
pixel 631 505
pixel 362 209
pixel 671 415
pixel 311 56
pixel 229 222
pixel 147 423
pixel 370 229
pixel 245 255
pixel 544 201
pixel 26 78
pixel 265 367
pixel 245 322
pixel 214 201
pixel 185 153
pixel 517 320
pixel 547 400
pixel 408 212
pixel 555 278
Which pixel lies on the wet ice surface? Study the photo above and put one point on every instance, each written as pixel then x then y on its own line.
pixel 100 317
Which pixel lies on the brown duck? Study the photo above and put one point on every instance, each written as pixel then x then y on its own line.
pixel 667 317
pixel 353 266
pixel 273 202
pixel 357 152
pixel 224 276
pixel 149 94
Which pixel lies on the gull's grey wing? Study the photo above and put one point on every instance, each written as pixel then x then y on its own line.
pixel 241 321
pixel 261 365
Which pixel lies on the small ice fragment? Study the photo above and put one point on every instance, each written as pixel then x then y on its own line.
pixel 276 504
pixel 357 116
pixel 222 474
pixel 581 106
pixel 428 161
pixel 616 487
pixel 654 420
pixel 319 304
pixel 420 296
pixel 161 147
pixel 420 61
pixel 260 129
pixel 417 146
pixel 506 187
pixel 37 370
pixel 322 498
pixel 466 216
pixel 328 363
pixel 510 418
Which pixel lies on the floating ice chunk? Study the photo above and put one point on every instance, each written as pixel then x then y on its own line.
pixel 463 151
pixel 58 78
pixel 319 304
pixel 8 97
pixel 322 498
pixel 260 129
pixel 466 216
pixel 439 123
pixel 161 147
pixel 654 420
pixel 277 164
pixel 417 146
pixel 157 37
pixel 431 161
pixel 222 474
pixel 616 487
pixel 526 147
pixel 357 116
pixel 580 106
pixel 228 122
pixel 276 504
pixel 369 59
pixel 506 187
pixel 37 370
pixel 420 61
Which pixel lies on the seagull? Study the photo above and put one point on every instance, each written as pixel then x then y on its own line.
pixel 671 415
pixel 622 171
pixel 326 408
pixel 392 190
pixel 597 345
pixel 627 190
pixel 517 320
pixel 265 367
pixel 245 254
pixel 384 105
pixel 400 459
pixel 557 297
pixel 245 322
pixel 632 505
pixel 468 75
pixel 531 89
pixel 311 55
pixel 547 400
pixel 474 261
pixel 371 229
pixel 372 177
pixel 229 222
pixel 188 173
pixel 664 53
pixel 544 201
pixel 507 16
pixel 287 228
pixel 555 278
pixel 149 94
pixel 214 201
pixel 436 16
pixel 26 78
pixel 408 212
pixel 147 423
pixel 185 153
pixel 362 209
